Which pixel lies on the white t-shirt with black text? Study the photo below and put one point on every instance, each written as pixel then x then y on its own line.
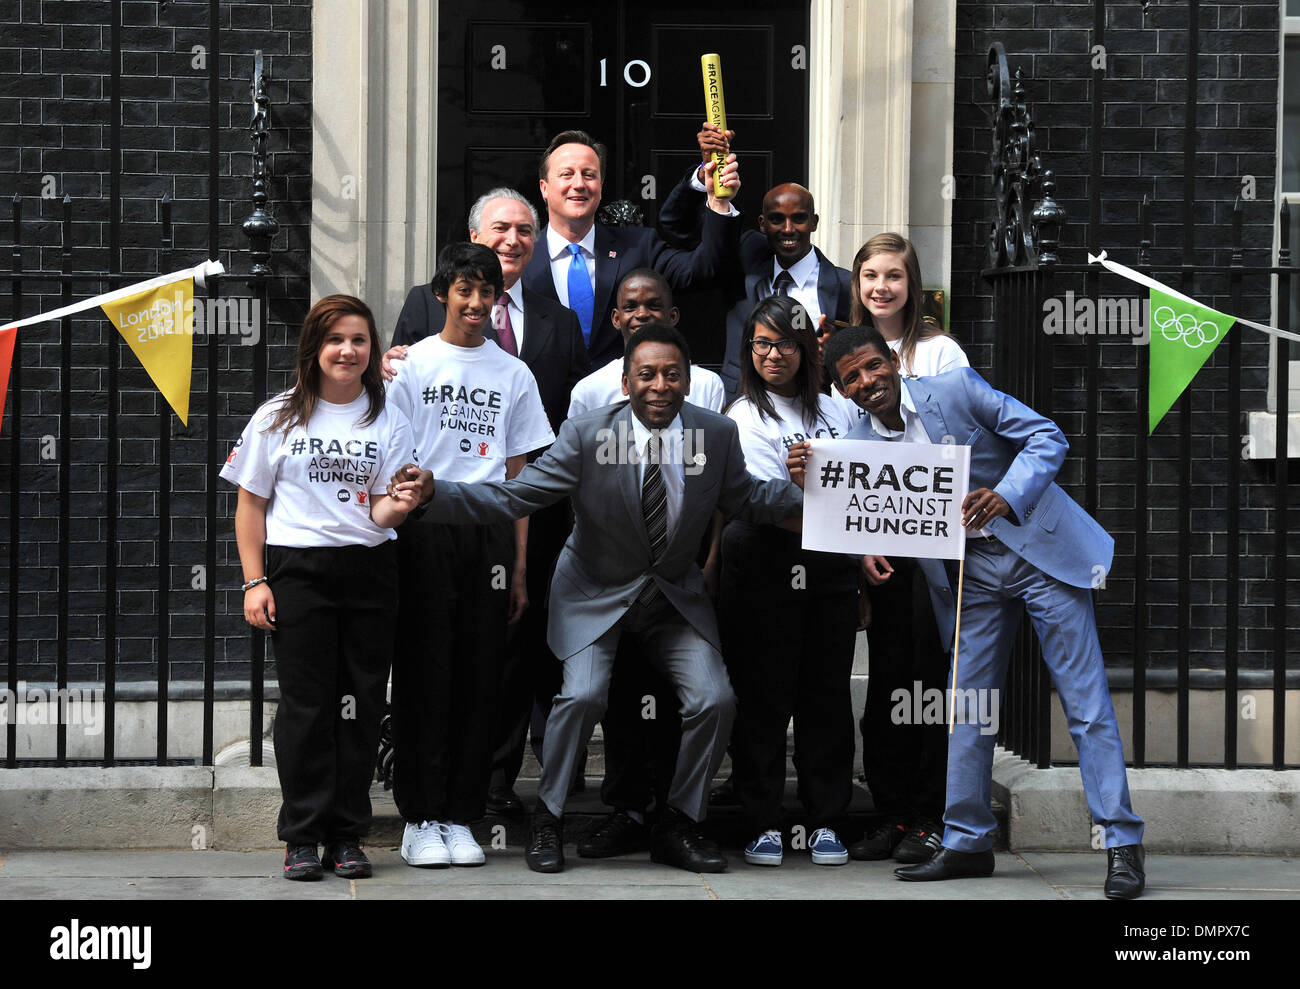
pixel 766 441
pixel 320 477
pixel 470 408
pixel 605 387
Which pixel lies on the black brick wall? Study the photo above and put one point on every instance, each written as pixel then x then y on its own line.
pixel 1144 92
pixel 55 121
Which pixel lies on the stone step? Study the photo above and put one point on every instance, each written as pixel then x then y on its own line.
pixel 585 810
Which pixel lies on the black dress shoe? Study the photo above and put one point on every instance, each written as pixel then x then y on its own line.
pixel 724 794
pixel 504 801
pixel 949 864
pixel 545 843
pixel 617 834
pixel 1125 872
pixel 676 841
pixel 879 842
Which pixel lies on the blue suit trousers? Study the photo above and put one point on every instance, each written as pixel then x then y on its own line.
pixel 997 582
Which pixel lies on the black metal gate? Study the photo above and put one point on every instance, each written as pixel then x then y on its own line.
pixel 1099 394
pixel 28 635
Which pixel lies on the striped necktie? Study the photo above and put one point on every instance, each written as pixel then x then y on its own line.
pixel 654 510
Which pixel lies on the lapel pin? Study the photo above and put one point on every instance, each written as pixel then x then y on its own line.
pixel 700 460
pixel 613 254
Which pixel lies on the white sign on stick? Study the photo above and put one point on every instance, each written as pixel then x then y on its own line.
pixel 888 499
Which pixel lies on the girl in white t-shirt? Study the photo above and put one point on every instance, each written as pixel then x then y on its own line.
pixel 904 765
pixel 788 616
pixel 314 528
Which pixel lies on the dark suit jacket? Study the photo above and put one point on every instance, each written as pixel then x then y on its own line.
pixel 553 347
pixel 748 274
pixel 619 250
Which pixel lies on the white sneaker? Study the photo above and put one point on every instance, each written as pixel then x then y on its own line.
pixel 460 843
pixel 422 844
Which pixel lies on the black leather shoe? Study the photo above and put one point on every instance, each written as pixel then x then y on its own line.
pixel 948 864
pixel 879 842
pixel 922 841
pixel 617 834
pixel 504 801
pixel 1125 872
pixel 724 794
pixel 677 841
pixel 545 843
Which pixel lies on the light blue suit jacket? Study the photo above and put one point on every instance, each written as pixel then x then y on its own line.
pixel 1017 453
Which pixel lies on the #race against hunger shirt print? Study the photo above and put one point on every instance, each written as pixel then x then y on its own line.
pixel 330 469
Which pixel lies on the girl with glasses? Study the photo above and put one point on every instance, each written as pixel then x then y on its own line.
pixel 788 617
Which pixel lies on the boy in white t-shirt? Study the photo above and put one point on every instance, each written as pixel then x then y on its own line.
pixel 477 413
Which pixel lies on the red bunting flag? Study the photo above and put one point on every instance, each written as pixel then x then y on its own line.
pixel 7 338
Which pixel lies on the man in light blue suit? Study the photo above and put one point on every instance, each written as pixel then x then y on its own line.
pixel 1028 543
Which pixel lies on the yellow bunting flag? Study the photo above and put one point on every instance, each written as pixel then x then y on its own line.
pixel 158 326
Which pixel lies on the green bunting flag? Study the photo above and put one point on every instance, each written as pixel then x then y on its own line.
pixel 1183 335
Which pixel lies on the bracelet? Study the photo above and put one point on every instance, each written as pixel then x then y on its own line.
pixel 253 583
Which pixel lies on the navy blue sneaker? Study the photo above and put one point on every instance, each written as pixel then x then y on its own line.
pixel 765 849
pixel 827 849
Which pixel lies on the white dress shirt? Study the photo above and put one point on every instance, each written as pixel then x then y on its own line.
pixel 671 439
pixel 699 186
pixel 557 249
pixel 804 272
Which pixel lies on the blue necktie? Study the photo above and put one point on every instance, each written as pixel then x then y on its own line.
pixel 581 299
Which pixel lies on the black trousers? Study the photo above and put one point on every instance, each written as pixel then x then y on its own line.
pixel 788 637
pixel 447 668
pixel 531 674
pixel 335 613
pixel 905 764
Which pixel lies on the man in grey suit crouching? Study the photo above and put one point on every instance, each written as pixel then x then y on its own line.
pixel 645 479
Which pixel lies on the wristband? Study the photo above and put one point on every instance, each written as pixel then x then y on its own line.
pixel 253 583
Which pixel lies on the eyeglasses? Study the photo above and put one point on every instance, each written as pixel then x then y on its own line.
pixel 785 347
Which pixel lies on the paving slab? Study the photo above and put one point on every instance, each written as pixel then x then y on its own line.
pixel 133 864
pixel 149 875
pixel 1206 872
pixel 533 891
pixel 1190 894
pixel 179 888
pixel 798 878
pixel 509 868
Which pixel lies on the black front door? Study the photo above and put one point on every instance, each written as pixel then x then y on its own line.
pixel 512 74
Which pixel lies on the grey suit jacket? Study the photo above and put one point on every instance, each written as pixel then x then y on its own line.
pixel 607 558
